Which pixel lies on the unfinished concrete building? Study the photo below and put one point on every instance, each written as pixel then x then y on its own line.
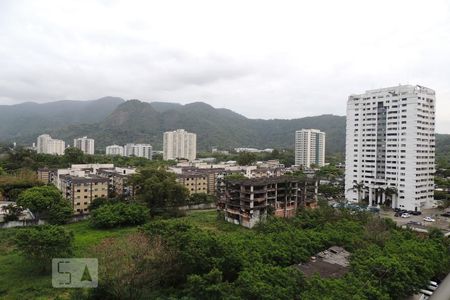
pixel 249 201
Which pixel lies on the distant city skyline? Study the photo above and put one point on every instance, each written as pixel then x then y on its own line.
pixel 276 56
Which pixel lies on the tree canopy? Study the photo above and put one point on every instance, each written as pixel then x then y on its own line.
pixel 387 262
pixel 46 202
pixel 158 189
pixel 118 214
pixel 42 243
pixel 74 155
pixel 246 158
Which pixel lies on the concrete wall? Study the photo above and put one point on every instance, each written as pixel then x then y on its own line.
pixel 23 223
pixel 198 206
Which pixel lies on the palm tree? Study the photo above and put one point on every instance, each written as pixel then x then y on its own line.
pixel 359 187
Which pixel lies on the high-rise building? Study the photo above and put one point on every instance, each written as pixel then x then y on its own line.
pixel 84 144
pixel 114 150
pixel 42 142
pixel 390 147
pixel 309 148
pixel 179 144
pixel 47 145
pixel 138 150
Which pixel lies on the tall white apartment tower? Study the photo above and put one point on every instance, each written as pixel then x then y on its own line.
pixel 138 150
pixel 84 144
pixel 47 145
pixel 114 150
pixel 42 143
pixel 309 148
pixel 179 144
pixel 390 147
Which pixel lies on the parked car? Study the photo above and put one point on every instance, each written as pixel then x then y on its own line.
pixel 373 209
pixel 415 223
pixel 446 214
pixel 429 219
pixel 405 215
pixel 416 213
pixel 398 214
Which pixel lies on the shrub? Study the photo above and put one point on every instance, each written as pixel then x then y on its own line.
pixel 46 202
pixel 42 243
pixel 119 214
pixel 129 265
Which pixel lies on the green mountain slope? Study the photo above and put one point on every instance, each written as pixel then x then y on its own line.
pixel 115 121
pixel 135 121
pixel 23 121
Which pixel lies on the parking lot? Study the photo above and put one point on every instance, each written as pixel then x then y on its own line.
pixel 441 222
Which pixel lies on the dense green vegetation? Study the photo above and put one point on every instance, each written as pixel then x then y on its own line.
pixel 387 263
pixel 201 256
pixel 159 190
pixel 442 182
pixel 119 214
pixel 136 121
pixel 12 184
pixel 42 243
pixel 21 278
pixel 443 151
pixel 13 160
pixel 113 121
pixel 29 119
pixel 200 198
pixel 46 202
pixel 285 156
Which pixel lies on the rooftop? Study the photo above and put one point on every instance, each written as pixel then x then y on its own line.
pixel 407 88
pixel 90 178
pixel 331 263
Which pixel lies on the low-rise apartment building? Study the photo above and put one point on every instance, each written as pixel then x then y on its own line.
pixel 195 182
pixel 46 175
pixel 249 201
pixel 119 185
pixel 198 180
pixel 80 170
pixel 81 191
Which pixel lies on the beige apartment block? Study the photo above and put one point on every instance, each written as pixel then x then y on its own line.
pixel 196 183
pixel 81 191
pixel 46 175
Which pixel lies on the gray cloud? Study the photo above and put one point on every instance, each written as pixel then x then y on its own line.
pixel 264 59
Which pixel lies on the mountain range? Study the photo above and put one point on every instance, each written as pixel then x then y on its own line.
pixel 112 120
pixel 22 122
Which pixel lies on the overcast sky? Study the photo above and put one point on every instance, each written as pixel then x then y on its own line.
pixel 263 59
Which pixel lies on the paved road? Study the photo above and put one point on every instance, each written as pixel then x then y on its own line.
pixel 441 222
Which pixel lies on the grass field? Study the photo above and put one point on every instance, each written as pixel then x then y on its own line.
pixel 18 279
